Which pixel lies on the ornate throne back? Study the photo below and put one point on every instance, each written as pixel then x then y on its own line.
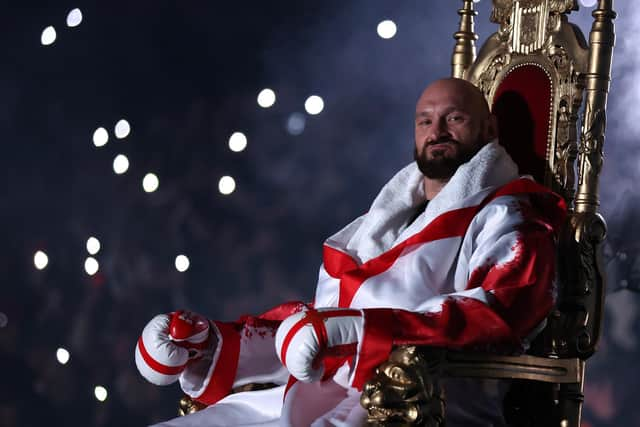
pixel 538 73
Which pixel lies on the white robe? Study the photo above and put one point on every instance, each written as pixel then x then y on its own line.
pixel 474 269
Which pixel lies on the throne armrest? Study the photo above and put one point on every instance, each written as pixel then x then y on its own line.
pixel 406 389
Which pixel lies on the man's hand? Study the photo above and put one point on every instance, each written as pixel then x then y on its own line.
pixel 305 338
pixel 169 342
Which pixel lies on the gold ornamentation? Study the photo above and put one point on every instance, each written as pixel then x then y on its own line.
pixel 596 81
pixel 529 29
pixel 464 52
pixel 562 6
pixel 569 93
pixel 583 285
pixel 404 391
pixel 502 9
pixel 590 149
pixel 488 77
pixel 188 406
pixel 566 149
pixel 501 12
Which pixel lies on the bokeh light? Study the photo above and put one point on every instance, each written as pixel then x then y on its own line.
pixel 48 36
pixel 91 266
pixel 588 3
pixel 93 245
pixel 4 320
pixel 40 260
pixel 122 129
pixel 120 164
pixel 62 355
pixel 387 29
pixel 182 263
pixel 150 182
pixel 314 105
pixel 100 137
pixel 100 393
pixel 237 142
pixel 226 185
pixel 296 123
pixel 266 98
pixel 74 18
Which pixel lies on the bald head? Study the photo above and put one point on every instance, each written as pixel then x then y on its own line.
pixel 465 93
pixel 453 122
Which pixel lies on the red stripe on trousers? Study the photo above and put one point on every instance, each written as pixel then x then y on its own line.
pixel 157 366
pixel 224 373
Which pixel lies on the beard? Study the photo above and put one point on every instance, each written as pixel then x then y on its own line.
pixel 442 165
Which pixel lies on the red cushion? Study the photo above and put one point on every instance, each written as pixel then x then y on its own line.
pixel 522 105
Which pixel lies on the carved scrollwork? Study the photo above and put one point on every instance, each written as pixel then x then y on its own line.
pixel 404 391
pixel 561 62
pixel 562 6
pixel 502 8
pixel 584 298
pixel 591 143
pixel 566 149
pixel 488 77
pixel 570 99
pixel 501 12
pixel 529 28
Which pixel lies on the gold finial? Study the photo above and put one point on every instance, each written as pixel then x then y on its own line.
pixel 464 52
pixel 596 80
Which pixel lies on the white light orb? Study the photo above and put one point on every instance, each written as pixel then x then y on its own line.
pixel 74 18
pixel 93 245
pixel 387 29
pixel 120 164
pixel 266 98
pixel 182 263
pixel 150 182
pixel 226 185
pixel 588 3
pixel 63 356
pixel 40 260
pixel 122 129
pixel 48 36
pixel 237 142
pixel 100 393
pixel 100 137
pixel 296 123
pixel 314 105
pixel 91 266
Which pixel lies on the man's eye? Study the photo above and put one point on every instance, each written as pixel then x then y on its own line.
pixel 456 118
pixel 425 123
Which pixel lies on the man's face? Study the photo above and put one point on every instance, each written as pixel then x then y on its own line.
pixel 450 128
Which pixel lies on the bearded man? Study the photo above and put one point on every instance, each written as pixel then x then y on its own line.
pixel 456 251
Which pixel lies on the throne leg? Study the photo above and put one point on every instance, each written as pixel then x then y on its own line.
pixel 570 401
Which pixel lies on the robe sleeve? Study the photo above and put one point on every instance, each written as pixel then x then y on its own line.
pixel 245 353
pixel 510 249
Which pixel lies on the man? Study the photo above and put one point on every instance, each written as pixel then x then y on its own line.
pixel 455 251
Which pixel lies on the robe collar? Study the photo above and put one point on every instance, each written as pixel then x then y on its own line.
pixel 386 222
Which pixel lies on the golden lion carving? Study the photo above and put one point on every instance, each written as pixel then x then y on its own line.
pixel 404 391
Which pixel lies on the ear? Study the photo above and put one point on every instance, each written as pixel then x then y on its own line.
pixel 491 128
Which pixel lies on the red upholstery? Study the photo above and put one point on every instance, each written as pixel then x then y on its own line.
pixel 522 103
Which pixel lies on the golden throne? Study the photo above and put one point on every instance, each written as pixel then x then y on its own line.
pixel 539 74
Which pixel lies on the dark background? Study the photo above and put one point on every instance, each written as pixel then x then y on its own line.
pixel 186 75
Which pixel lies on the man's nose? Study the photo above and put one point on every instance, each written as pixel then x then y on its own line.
pixel 438 129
